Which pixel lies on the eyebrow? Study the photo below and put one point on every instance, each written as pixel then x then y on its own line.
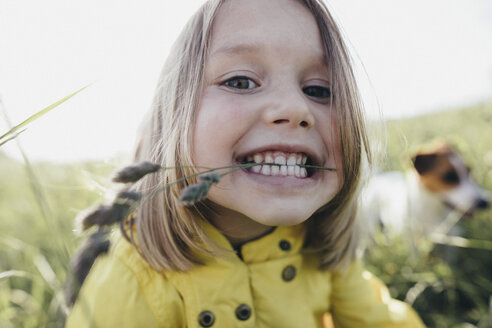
pixel 248 48
pixel 234 49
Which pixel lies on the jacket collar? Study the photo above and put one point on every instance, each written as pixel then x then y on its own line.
pixel 281 242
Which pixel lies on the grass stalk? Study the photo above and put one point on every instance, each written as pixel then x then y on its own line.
pixel 39 194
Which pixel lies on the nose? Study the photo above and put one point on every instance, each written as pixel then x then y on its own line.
pixel 290 109
pixel 483 204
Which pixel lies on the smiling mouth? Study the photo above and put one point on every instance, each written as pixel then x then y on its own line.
pixel 279 163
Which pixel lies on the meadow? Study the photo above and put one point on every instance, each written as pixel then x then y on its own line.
pixel 38 204
pixel 446 293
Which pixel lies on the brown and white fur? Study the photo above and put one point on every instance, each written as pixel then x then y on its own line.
pixel 428 199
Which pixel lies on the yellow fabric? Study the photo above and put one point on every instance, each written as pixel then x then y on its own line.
pixel 123 291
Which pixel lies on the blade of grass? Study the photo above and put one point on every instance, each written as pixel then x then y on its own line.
pixel 13 273
pixel 11 137
pixel 39 194
pixel 47 274
pixel 43 266
pixel 461 242
pixel 35 116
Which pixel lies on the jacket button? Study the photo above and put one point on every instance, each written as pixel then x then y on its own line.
pixel 206 319
pixel 289 273
pixel 243 312
pixel 284 245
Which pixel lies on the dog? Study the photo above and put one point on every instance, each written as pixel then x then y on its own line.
pixel 428 199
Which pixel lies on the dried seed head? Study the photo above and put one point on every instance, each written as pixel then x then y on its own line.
pixel 82 262
pixel 127 195
pixel 89 218
pixel 212 178
pixel 194 193
pixel 105 215
pixel 135 172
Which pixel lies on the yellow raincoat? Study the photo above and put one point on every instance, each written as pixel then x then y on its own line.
pixel 273 285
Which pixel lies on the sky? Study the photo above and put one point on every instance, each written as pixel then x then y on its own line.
pixel 411 58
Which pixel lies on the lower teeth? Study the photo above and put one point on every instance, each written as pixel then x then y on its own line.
pixel 282 170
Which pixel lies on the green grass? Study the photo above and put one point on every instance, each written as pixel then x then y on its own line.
pixel 449 286
pixel 33 260
pixel 35 247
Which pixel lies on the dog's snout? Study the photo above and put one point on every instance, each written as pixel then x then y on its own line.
pixel 483 204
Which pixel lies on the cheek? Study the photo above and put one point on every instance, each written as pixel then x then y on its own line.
pixel 219 124
pixel 217 111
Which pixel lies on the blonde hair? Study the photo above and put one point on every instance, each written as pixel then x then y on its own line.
pixel 169 235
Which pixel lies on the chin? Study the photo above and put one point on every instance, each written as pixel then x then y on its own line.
pixel 280 217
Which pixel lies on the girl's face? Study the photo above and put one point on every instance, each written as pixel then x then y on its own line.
pixel 266 98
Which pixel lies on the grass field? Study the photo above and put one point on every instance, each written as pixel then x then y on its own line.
pixel 38 207
pixel 37 238
pixel 453 293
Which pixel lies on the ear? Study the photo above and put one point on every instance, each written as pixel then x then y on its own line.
pixel 424 162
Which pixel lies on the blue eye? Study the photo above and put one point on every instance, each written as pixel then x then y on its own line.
pixel 240 82
pixel 317 92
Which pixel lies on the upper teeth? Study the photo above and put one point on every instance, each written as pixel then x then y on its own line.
pixel 277 157
pixel 288 163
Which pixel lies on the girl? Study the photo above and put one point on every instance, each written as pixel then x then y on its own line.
pixel 273 246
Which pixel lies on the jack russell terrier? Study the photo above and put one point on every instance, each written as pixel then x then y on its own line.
pixel 431 198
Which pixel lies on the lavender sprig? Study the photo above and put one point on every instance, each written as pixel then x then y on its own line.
pixel 82 262
pixel 106 215
pixel 135 172
pixel 198 192
pixel 127 202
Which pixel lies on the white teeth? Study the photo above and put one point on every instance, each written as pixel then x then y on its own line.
pixel 265 169
pixel 291 170
pixel 283 170
pixel 288 164
pixel 291 160
pixel 275 170
pixel 280 160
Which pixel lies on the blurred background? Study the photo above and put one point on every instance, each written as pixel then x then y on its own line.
pixel 424 69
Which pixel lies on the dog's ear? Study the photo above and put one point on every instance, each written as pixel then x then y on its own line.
pixel 424 162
